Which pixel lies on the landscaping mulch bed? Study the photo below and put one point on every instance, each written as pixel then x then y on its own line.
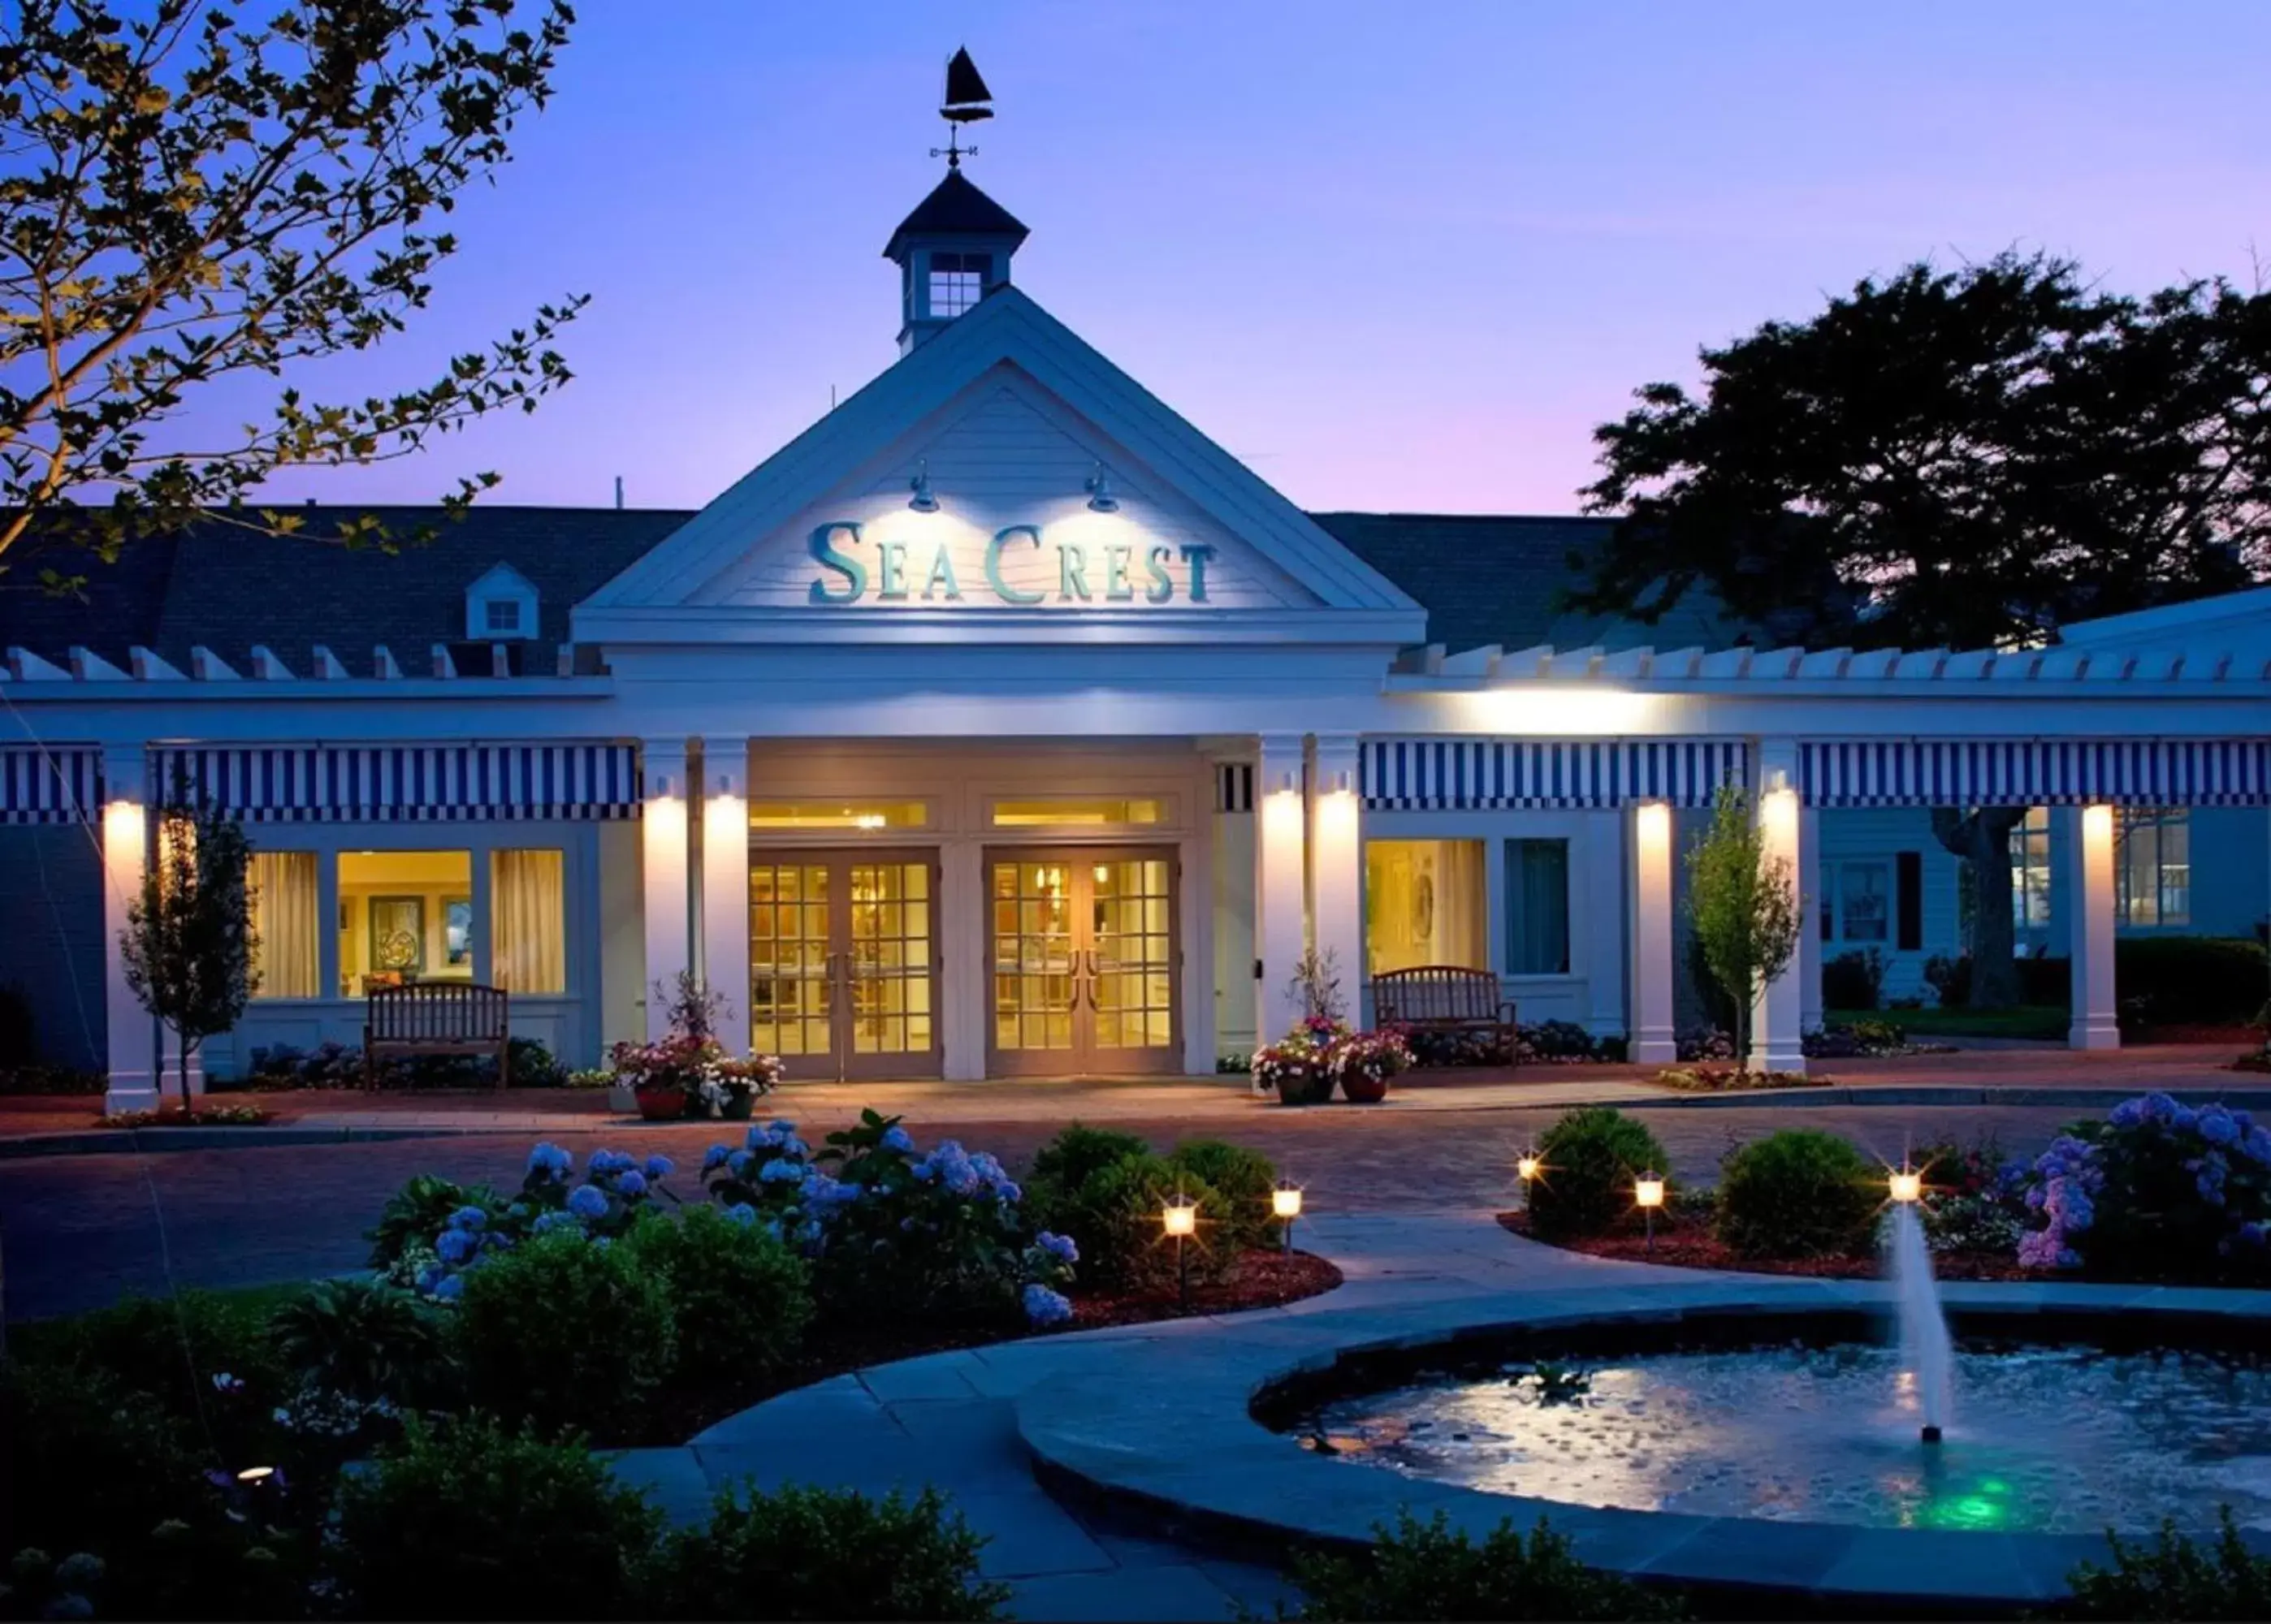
pixel 1692 1247
pixel 1265 1278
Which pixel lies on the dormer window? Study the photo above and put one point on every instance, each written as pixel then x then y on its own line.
pixel 957 281
pixel 501 606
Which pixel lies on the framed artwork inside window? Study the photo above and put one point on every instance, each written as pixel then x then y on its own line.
pixel 457 931
pixel 398 934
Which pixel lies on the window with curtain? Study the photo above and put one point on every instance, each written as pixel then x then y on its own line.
pixel 282 886
pixel 404 917
pixel 1426 903
pixel 1537 908
pixel 528 935
pixel 2152 865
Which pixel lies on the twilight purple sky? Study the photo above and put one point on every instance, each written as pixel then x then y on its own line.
pixel 1394 257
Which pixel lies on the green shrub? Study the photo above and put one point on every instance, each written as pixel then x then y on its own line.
pixel 418 1211
pixel 173 1348
pixel 739 1299
pixel 88 1464
pixel 1113 1219
pixel 1243 1180
pixel 1853 980
pixel 1066 1162
pixel 1591 1157
pixel 1424 1571
pixel 2164 981
pixel 1798 1193
pixel 362 1337
pixel 824 1553
pixel 564 1332
pixel 472 1520
pixel 534 1066
pixel 2176 1579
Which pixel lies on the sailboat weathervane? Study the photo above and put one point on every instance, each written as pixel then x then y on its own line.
pixel 967 100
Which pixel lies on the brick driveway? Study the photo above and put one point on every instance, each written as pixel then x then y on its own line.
pixel 79 1231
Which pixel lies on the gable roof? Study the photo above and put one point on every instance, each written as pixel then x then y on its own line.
pixel 957 208
pixel 1489 578
pixel 1007 329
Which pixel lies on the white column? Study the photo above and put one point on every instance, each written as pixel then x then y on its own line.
pixel 2089 927
pixel 725 884
pixel 1336 864
pixel 1279 869
pixel 130 1032
pixel 1810 1017
pixel 1777 1011
pixel 1653 1023
pixel 662 829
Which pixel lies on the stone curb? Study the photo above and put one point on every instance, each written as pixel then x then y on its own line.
pixel 139 1141
pixel 1117 1431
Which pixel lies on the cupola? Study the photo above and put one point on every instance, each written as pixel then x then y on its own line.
pixel 955 248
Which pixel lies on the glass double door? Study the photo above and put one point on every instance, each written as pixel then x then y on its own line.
pixel 1083 962
pixel 844 962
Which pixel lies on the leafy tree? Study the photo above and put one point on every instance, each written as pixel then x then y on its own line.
pixel 1742 904
pixel 197 190
pixel 1969 459
pixel 188 940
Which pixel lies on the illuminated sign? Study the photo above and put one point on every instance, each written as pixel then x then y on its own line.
pixel 1018 566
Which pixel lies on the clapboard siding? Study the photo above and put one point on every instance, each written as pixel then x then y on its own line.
pixel 1010 458
pixel 1875 836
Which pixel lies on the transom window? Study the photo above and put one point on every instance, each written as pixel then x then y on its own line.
pixel 2153 865
pixel 957 281
pixel 838 814
pixel 1081 812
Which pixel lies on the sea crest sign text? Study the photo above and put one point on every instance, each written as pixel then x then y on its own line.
pixel 1019 566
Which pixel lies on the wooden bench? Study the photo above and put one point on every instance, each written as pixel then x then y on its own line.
pixel 436 1018
pixel 1445 998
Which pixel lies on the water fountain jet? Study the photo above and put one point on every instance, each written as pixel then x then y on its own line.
pixel 1927 1349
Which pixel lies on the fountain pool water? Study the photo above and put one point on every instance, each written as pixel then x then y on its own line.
pixel 2056 1438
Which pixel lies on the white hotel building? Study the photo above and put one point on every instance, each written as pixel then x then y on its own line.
pixel 1002 724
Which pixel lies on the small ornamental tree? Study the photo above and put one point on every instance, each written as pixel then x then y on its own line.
pixel 188 940
pixel 1743 905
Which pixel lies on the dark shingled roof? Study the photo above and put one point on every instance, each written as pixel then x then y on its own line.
pixel 955 208
pixel 218 586
pixel 1493 578
pixel 1482 579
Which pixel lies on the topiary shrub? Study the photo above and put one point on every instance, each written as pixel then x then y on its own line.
pixel 473 1520
pixel 1423 1570
pixel 824 1553
pixel 740 1300
pixel 1798 1193
pixel 1591 1157
pixel 1242 1180
pixel 1113 1219
pixel 564 1332
pixel 2175 1579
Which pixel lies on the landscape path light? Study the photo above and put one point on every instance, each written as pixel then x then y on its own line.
pixel 1285 1203
pixel 1180 1219
pixel 1648 1191
pixel 1527 1167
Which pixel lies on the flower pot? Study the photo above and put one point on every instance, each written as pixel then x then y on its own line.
pixel 662 1104
pixel 738 1106
pixel 1305 1088
pixel 1363 1087
pixel 622 1098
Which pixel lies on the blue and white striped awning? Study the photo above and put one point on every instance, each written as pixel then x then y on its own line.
pixel 51 783
pixel 1475 775
pixel 407 784
pixel 2134 772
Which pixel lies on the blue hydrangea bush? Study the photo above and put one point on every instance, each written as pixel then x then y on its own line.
pixel 892 1231
pixel 2158 1189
